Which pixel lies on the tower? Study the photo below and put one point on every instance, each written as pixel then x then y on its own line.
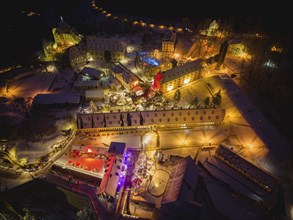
pixel 222 54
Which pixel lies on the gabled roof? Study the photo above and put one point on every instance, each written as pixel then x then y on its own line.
pixel 179 71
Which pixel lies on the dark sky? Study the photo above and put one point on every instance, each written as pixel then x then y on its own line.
pixel 22 35
pixel 277 15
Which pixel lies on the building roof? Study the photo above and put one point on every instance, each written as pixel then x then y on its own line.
pixel 126 74
pixel 94 93
pixel 57 98
pixel 183 178
pixel 117 147
pixel 111 178
pixel 158 117
pixel 258 175
pixel 179 71
pixel 81 82
pixel 92 72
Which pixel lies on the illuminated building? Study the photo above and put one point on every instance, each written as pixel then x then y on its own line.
pixel 168 43
pixel 147 119
pixel 77 56
pixel 245 180
pixel 96 47
pixel 93 49
pixel 115 168
pixel 64 37
pixel 257 175
pixel 181 75
pixel 125 76
pixel 178 200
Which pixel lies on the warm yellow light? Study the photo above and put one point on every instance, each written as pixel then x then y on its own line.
pixel 171 28
pixel 104 12
pixel 186 81
pixel 108 15
pixel 169 88
pixel 179 29
pixel 152 25
pixel 135 22
pixel 161 26
pixel 277 49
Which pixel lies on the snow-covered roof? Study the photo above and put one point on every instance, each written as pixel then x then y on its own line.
pixel 184 172
pixel 179 71
pixel 87 83
pixel 96 93
pixel 92 72
pixel 126 74
pixel 57 98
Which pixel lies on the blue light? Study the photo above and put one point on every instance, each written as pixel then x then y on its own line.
pixel 151 61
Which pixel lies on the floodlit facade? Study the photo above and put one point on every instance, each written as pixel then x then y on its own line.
pixel 77 56
pixel 181 75
pixel 114 170
pixel 127 79
pixel 96 47
pixel 168 43
pixel 160 118
pixel 64 37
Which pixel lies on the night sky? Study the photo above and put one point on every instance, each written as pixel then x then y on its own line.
pixel 22 35
pixel 276 15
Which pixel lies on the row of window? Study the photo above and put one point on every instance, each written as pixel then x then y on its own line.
pixel 147 115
